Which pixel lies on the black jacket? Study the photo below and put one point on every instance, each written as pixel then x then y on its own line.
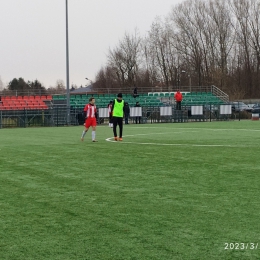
pixel 127 109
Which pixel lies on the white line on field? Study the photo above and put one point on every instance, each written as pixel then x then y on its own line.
pixel 110 139
pixel 162 144
pixel 162 133
pixel 212 129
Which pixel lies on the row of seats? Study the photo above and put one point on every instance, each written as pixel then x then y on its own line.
pixel 141 95
pixel 34 107
pixel 149 99
pixel 102 100
pixel 24 102
pixel 171 94
pixel 43 97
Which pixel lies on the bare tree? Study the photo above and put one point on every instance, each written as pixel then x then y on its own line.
pixel 125 59
pixel 187 37
pixel 216 42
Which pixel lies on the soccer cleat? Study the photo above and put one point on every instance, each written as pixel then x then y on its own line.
pixel 82 139
pixel 94 141
pixel 115 138
pixel 120 139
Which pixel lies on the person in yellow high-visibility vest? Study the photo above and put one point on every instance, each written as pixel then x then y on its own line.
pixel 118 108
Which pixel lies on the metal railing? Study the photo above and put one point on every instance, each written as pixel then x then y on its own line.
pixel 219 93
pixel 56 116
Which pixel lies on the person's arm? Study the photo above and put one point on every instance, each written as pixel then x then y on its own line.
pixel 96 115
pixel 85 111
pixel 113 104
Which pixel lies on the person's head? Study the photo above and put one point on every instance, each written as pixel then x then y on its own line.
pixel 119 96
pixel 137 103
pixel 126 103
pixel 92 100
pixel 110 102
pixel 178 90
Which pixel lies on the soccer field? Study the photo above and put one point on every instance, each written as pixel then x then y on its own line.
pixel 168 191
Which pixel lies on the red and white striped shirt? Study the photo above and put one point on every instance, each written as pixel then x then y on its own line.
pixel 90 110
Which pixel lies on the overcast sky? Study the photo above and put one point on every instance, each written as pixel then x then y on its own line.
pixel 32 35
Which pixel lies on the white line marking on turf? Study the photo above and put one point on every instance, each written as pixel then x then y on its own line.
pixel 162 144
pixel 183 132
pixel 162 133
pixel 197 128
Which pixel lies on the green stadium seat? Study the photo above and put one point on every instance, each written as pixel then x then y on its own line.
pixel 79 97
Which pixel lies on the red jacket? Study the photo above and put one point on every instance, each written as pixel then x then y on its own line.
pixel 178 96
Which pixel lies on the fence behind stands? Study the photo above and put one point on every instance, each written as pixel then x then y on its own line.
pixel 56 115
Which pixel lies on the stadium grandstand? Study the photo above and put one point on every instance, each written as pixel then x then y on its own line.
pixel 55 105
pixel 207 96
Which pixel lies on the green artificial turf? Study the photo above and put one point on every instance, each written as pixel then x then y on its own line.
pixel 168 191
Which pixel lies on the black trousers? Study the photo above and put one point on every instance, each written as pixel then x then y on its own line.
pixel 178 105
pixel 126 118
pixel 139 119
pixel 118 121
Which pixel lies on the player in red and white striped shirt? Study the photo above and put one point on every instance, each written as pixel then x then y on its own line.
pixel 90 112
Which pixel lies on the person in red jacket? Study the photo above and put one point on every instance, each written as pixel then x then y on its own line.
pixel 178 99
